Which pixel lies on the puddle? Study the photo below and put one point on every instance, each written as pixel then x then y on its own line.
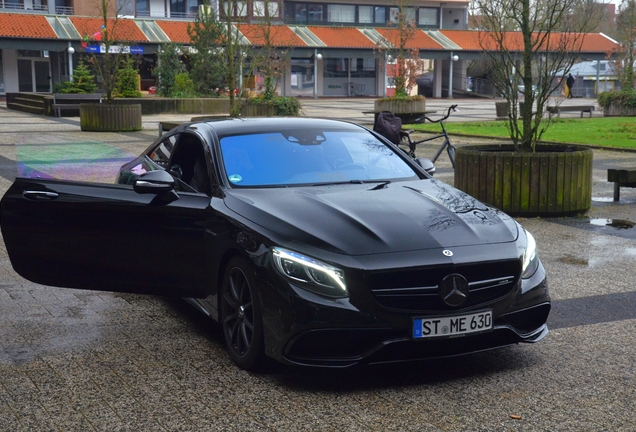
pixel 615 223
pixel 603 199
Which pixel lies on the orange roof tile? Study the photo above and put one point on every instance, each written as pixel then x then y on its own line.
pixel 342 37
pixel 26 26
pixel 281 36
pixel 124 30
pixel 472 40
pixel 420 40
pixel 177 31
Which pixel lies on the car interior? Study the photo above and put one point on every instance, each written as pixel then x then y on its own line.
pixel 188 164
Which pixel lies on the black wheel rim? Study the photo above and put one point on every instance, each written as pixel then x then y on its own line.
pixel 238 321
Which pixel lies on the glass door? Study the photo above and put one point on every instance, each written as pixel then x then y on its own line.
pixel 42 72
pixel 34 76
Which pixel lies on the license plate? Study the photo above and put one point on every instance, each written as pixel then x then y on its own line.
pixel 449 326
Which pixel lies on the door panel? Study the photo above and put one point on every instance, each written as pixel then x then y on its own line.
pixel 42 76
pixel 25 76
pixel 105 237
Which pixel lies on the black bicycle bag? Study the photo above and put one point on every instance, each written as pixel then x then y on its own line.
pixel 389 126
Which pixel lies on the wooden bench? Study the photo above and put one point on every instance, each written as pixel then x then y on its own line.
pixel 405 117
pixel 558 109
pixel 621 178
pixel 72 101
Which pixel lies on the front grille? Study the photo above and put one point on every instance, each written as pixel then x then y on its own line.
pixel 417 289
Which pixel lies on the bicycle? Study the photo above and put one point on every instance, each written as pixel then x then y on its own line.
pixel 450 148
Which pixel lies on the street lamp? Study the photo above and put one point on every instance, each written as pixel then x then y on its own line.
pixel 70 51
pixel 317 56
pixel 454 58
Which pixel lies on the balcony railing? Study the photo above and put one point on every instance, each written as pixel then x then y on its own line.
pixel 64 10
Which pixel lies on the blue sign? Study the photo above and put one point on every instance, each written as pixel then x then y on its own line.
pixel 137 49
pixel 92 48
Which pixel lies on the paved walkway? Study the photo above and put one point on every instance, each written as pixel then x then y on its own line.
pixel 78 360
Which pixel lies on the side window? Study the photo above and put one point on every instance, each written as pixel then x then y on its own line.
pixel 163 151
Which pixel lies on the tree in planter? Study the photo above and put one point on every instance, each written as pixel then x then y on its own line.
pixel 547 38
pixel 82 81
pixel 399 45
pixel 169 66
pixel 268 59
pixel 206 34
pixel 107 65
pixel 232 49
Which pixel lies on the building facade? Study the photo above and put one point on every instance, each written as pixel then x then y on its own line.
pixel 334 48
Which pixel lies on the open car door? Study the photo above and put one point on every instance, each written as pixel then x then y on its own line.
pixel 143 239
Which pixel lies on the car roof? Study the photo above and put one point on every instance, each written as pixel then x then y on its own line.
pixel 251 125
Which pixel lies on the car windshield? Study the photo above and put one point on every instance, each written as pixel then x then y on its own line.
pixel 310 157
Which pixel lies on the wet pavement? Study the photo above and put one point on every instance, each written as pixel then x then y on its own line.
pixel 78 360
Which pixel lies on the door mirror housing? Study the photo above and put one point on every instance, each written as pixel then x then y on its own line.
pixel 154 182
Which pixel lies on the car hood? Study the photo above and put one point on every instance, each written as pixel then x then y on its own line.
pixel 374 218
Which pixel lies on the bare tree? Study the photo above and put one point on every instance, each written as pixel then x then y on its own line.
pixel 529 42
pixel 104 31
pixel 626 34
pixel 269 60
pixel 399 45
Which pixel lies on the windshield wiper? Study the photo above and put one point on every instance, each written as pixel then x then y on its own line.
pixel 339 182
pixel 381 185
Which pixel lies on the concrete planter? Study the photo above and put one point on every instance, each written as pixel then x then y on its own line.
pixel 618 110
pixel 406 110
pixel 555 180
pixel 110 118
pixel 258 110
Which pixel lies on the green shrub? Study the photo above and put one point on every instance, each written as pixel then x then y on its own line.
pixel 624 97
pixel 285 106
pixel 183 86
pixel 82 81
pixel 128 80
pixel 402 98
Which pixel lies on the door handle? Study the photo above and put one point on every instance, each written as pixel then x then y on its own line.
pixel 39 195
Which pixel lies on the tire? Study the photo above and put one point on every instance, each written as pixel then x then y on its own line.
pixel 241 317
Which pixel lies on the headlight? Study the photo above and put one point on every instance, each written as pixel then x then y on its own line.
pixel 310 274
pixel 530 257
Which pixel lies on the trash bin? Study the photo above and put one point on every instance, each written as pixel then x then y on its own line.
pixel 152 90
pixel 502 109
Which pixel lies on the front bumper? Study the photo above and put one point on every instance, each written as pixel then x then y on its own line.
pixel 308 330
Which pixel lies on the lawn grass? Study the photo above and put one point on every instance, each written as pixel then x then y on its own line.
pixel 602 131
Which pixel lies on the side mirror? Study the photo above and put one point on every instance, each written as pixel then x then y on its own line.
pixel 427 165
pixel 154 182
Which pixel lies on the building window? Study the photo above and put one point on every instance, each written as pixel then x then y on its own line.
pixel 341 13
pixel 365 14
pixel 184 8
pixel 428 17
pixel 273 9
pixel 362 68
pixel 142 8
pixel 393 14
pixel 380 15
pixel 239 8
pixel 315 12
pixel 336 67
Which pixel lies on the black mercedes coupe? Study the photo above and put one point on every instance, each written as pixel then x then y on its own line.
pixel 314 242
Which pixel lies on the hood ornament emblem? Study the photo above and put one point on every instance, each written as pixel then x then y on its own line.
pixel 447 252
pixel 453 290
